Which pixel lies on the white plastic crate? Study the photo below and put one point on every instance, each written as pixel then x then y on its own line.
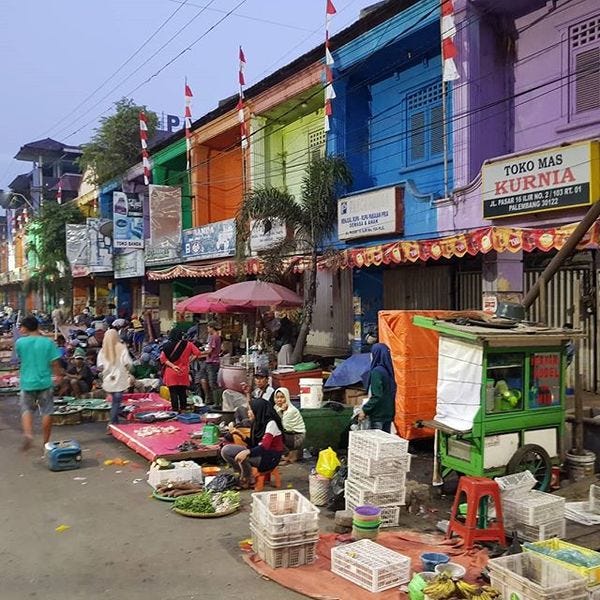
pixel 534 508
pixel 516 484
pixel 378 466
pixel 377 444
pixel 358 496
pixel 390 515
pixel 185 470
pixel 285 538
pixel 534 533
pixel 379 483
pixel 291 555
pixel 370 565
pixel 595 498
pixel 284 511
pixel 530 577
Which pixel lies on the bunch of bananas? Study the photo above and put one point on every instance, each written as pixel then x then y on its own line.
pixel 444 588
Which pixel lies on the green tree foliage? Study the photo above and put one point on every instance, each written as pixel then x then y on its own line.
pixel 46 250
pixel 115 146
pixel 312 217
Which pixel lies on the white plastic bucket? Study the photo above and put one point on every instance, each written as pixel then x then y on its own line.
pixel 311 393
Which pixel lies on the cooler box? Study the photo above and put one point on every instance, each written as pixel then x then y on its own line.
pixel 291 380
pixel 63 456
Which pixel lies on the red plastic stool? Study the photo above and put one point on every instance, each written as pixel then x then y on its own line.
pixel 475 527
pixel 262 478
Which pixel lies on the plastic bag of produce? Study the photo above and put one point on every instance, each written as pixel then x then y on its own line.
pixel 222 482
pixel 328 463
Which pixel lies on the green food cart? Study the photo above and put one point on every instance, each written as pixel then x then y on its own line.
pixel 500 397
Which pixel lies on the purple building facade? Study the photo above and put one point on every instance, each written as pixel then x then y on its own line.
pixel 527 109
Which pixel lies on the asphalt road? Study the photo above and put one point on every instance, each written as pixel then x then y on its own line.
pixel 121 544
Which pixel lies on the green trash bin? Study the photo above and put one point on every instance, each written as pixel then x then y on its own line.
pixel 325 426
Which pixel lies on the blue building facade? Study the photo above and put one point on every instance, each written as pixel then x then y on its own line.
pixel 388 123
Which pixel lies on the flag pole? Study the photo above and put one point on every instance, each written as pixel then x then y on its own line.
pixel 242 119
pixel 188 146
pixel 449 73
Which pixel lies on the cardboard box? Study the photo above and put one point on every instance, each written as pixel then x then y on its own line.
pixel 354 396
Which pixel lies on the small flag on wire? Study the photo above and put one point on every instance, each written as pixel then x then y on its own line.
pixel 59 193
pixel 240 104
pixel 144 142
pixel 188 123
pixel 329 91
pixel 449 51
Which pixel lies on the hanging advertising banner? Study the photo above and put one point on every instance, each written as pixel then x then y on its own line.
pixel 128 220
pixel 214 240
pixel 128 263
pixel 78 249
pixel 164 245
pixel 100 245
pixel 379 212
pixel 266 234
pixel 561 177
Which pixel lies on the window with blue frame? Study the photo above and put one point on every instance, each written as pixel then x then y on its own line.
pixel 424 124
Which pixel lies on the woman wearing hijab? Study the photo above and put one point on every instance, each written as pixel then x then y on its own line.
pixel 176 356
pixel 380 407
pixel 294 429
pixel 265 443
pixel 115 363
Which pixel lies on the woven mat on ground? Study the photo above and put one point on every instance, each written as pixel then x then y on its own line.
pixel 317 580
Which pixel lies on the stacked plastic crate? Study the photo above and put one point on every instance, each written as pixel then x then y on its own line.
pixel 377 466
pixel 285 528
pixel 532 514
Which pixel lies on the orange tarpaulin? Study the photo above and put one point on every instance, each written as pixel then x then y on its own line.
pixel 415 357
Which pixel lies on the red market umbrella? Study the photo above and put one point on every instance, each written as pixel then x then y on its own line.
pixel 203 303
pixel 255 294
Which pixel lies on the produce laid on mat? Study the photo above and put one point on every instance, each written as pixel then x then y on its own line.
pixel 443 587
pixel 207 504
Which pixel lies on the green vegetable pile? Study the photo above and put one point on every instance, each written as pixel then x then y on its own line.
pixel 208 502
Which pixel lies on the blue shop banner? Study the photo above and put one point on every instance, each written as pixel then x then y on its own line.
pixel 128 220
pixel 215 240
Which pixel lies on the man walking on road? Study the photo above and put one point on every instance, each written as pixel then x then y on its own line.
pixel 39 357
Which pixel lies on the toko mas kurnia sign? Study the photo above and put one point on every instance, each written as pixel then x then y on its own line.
pixel 552 179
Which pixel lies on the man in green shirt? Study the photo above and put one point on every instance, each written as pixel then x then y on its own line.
pixel 39 358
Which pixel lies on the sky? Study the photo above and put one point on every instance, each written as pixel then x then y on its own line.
pixel 58 58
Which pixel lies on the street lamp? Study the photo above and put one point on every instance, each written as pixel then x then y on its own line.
pixel 6 199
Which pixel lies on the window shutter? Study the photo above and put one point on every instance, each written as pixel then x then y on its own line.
pixel 417 136
pixel 587 80
pixel 437 130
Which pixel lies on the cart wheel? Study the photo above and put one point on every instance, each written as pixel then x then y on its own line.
pixel 534 458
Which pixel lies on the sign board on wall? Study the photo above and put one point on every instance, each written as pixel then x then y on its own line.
pixel 78 249
pixel 164 245
pixel 375 213
pixel 266 233
pixel 215 240
pixel 100 245
pixel 128 220
pixel 562 177
pixel 129 263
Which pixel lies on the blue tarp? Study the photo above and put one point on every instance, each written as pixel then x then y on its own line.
pixel 353 370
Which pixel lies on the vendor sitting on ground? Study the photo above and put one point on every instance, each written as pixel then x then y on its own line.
pixel 145 374
pixel 294 429
pixel 265 444
pixel 78 378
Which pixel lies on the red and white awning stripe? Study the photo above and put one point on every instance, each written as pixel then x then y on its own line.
pixel 449 51
pixel 144 142
pixel 329 91
pixel 59 193
pixel 240 104
pixel 188 122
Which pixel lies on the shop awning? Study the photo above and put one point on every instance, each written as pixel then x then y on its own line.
pixel 472 243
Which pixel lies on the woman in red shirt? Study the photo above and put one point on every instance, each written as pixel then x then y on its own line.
pixel 176 356
pixel 265 444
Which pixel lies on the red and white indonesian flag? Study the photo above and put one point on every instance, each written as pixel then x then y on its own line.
pixel 449 51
